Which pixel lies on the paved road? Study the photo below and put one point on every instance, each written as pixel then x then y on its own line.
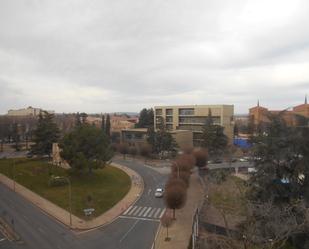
pixel 225 165
pixel 136 228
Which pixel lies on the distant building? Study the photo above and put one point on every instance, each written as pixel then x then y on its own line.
pixel 296 116
pixel 193 118
pixel 29 111
pixel 138 137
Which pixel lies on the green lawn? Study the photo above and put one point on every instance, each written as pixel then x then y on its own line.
pixel 105 186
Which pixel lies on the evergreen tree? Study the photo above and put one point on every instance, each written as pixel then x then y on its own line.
pixel 108 126
pixel 45 134
pixel 16 136
pixel 146 118
pixel 77 120
pixel 213 137
pixel 86 147
pixel 103 123
pixel 161 140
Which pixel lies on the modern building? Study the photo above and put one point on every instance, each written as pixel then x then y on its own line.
pixel 193 118
pixel 294 116
pixel 29 111
pixel 138 137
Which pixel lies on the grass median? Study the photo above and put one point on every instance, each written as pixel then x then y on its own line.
pixel 101 190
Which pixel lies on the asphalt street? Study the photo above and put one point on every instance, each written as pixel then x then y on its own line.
pixel 135 228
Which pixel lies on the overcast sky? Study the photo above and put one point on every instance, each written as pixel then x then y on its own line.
pixel 123 55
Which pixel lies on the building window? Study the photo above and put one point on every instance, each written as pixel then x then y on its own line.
pixel 158 111
pixel 169 127
pixel 169 112
pixel 169 119
pixel 198 120
pixel 186 111
pixel 191 127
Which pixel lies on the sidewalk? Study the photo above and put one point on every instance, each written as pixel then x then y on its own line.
pixel 63 216
pixel 180 230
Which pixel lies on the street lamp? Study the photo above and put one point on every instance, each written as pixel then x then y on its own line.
pixel 70 198
pixel 176 164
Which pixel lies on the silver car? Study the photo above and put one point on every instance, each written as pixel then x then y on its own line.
pixel 159 192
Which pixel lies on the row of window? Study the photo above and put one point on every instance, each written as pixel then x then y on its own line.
pixel 181 112
pixel 192 120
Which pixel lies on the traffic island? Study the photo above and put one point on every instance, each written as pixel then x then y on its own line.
pixel 78 223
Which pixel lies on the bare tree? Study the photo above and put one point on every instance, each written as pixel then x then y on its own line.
pixel 133 151
pixel 123 149
pixel 175 197
pixel 201 157
pixel 270 226
pixel 145 151
pixel 166 221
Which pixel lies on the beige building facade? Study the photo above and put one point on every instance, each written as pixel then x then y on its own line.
pixel 138 137
pixel 193 118
pixel 29 111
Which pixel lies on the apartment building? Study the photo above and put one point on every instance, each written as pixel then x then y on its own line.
pixel 29 111
pixel 193 118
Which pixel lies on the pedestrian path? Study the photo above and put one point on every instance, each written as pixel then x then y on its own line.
pixel 142 212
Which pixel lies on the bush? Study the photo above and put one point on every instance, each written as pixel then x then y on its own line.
pixel 57 181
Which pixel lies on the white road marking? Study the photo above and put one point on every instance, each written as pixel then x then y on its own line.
pixel 139 208
pixel 141 212
pixel 127 210
pixel 131 212
pixel 128 231
pixel 138 218
pixel 147 211
pixel 162 213
pixel 156 214
pixel 2 239
pixel 152 212
pixel 41 230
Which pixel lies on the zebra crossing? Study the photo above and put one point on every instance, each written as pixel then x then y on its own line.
pixel 144 212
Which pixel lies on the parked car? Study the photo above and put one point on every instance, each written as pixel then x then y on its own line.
pixel 218 160
pixel 243 159
pixel 159 192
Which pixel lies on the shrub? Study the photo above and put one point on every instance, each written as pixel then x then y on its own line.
pixel 57 181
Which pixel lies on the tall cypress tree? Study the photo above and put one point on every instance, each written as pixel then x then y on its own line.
pixel 108 125
pixel 103 123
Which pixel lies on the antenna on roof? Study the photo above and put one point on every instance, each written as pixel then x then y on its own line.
pixel 306 99
pixel 258 103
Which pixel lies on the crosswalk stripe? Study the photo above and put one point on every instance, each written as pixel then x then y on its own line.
pixel 147 211
pixel 152 212
pixel 141 212
pixel 137 210
pixel 162 213
pixel 156 214
pixel 128 210
pixel 131 211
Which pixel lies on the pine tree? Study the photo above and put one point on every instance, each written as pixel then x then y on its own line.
pixel 103 123
pixel 213 137
pixel 45 134
pixel 107 126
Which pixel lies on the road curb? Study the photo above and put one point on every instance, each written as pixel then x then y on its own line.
pixel 79 224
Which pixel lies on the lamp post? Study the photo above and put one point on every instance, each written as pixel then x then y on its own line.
pixel 176 164
pixel 14 181
pixel 70 198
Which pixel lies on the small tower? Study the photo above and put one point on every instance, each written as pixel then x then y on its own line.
pixel 306 100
